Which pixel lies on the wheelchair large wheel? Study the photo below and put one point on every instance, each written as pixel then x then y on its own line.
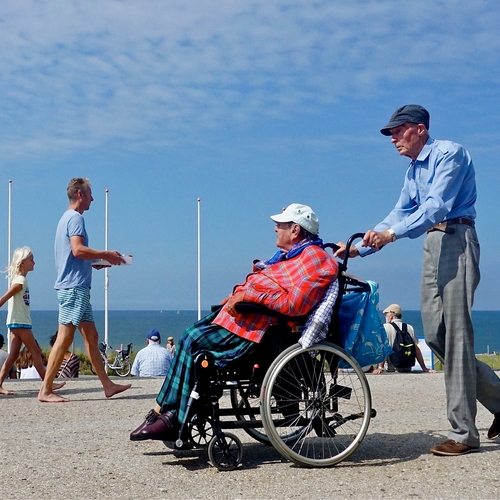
pixel 324 400
pixel 239 401
pixel 244 398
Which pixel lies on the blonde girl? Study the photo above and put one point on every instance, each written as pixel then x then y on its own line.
pixel 18 315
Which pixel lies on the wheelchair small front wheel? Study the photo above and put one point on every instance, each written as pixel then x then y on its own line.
pixel 225 452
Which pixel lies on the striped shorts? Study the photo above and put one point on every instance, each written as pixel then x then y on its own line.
pixel 74 306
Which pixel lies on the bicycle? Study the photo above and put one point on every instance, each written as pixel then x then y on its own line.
pixel 121 364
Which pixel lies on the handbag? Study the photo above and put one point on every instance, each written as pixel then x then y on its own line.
pixel 362 333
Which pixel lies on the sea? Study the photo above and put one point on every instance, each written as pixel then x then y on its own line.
pixel 126 327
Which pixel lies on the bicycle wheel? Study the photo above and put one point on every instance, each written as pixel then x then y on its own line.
pixel 324 400
pixel 121 367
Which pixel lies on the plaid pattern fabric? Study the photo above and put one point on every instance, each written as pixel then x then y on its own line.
pixel 203 335
pixel 319 320
pixel 292 287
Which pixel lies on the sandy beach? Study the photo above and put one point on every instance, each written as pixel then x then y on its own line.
pixel 81 450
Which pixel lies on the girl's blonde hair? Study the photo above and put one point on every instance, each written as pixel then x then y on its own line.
pixel 18 256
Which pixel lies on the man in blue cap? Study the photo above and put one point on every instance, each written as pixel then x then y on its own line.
pixel 437 199
pixel 154 360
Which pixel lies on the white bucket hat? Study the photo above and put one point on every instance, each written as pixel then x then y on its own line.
pixel 301 215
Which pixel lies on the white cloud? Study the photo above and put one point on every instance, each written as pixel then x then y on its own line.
pixel 85 73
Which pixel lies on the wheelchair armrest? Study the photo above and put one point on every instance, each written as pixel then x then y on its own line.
pixel 253 308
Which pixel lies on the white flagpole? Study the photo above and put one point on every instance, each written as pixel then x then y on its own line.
pixel 106 278
pixel 199 262
pixel 9 246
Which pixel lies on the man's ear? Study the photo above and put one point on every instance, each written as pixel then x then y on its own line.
pixel 295 230
pixel 421 129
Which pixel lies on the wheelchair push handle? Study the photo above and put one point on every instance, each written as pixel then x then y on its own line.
pixel 348 246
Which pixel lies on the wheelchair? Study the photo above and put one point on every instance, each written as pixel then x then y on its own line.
pixel 312 404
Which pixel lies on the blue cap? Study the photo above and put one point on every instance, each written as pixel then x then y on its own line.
pixel 154 335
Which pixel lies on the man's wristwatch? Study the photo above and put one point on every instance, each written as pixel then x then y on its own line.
pixel 393 234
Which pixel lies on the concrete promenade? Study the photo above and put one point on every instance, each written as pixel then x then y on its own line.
pixel 81 450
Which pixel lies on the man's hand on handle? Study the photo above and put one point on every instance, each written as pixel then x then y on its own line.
pixel 376 240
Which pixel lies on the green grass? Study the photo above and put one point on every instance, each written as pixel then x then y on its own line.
pixel 490 360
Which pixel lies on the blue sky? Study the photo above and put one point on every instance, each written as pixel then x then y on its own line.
pixel 249 105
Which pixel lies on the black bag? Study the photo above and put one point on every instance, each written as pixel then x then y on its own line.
pixel 403 355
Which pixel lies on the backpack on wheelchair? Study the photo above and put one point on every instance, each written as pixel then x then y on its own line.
pixel 312 404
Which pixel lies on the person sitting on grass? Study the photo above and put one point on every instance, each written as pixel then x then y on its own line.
pixel 70 366
pixel 25 366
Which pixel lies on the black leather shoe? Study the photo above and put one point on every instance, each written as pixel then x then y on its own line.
pixel 164 428
pixel 494 430
pixel 150 418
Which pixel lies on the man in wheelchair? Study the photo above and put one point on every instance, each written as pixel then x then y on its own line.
pixel 292 283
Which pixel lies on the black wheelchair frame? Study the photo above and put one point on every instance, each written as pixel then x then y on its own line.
pixel 313 405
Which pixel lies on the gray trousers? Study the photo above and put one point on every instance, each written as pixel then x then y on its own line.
pixel 450 276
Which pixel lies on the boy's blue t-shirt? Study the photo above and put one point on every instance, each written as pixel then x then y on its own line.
pixel 71 271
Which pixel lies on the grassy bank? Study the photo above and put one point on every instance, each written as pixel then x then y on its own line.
pixel 492 360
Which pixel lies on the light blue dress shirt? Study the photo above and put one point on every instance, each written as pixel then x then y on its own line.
pixel 152 361
pixel 439 185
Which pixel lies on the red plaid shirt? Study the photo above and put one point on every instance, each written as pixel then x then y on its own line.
pixel 292 287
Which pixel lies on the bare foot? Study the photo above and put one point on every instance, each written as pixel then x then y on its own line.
pixel 116 389
pixel 58 386
pixel 5 392
pixel 51 398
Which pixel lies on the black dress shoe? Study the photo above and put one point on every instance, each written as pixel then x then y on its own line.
pixel 164 428
pixel 150 418
pixel 494 430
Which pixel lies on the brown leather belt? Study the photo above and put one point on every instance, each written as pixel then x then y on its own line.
pixel 443 226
